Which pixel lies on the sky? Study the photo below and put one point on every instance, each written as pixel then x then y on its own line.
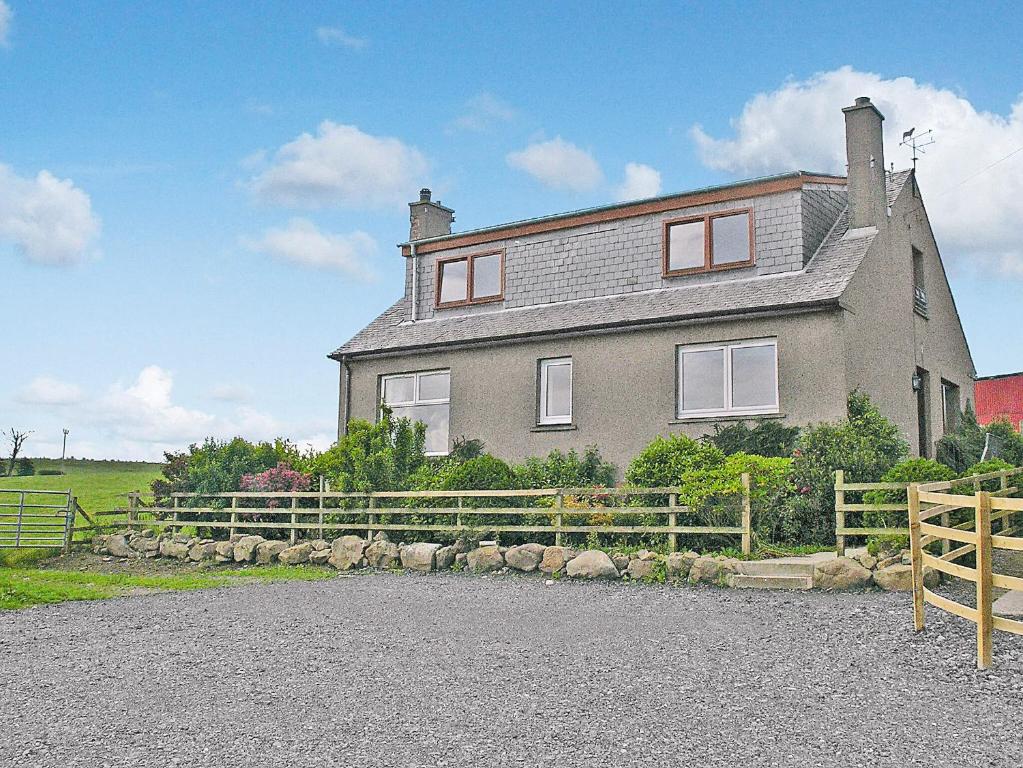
pixel 200 200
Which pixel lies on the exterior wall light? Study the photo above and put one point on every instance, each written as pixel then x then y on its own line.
pixel 917 382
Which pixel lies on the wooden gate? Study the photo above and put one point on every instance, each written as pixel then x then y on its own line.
pixel 36 518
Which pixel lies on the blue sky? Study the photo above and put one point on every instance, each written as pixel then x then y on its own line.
pixel 198 202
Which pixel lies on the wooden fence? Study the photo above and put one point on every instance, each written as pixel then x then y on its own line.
pixel 321 511
pixel 899 510
pixel 930 502
pixel 30 518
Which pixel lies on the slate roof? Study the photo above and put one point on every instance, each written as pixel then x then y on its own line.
pixel 820 283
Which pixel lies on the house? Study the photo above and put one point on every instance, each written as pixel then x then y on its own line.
pixel 1000 398
pixel 771 298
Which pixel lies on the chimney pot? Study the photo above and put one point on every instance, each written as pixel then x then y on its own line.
pixel 428 218
pixel 424 195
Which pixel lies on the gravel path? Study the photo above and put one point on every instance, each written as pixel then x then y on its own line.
pixel 453 670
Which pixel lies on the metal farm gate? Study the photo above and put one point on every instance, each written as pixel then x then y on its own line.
pixel 36 518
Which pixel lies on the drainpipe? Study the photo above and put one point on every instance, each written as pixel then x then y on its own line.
pixel 346 397
pixel 415 281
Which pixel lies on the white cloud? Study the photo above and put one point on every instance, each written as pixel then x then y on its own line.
pixel 44 390
pixel 230 393
pixel 5 22
pixel 976 212
pixel 303 243
pixel 640 181
pixel 558 164
pixel 49 220
pixel 337 36
pixel 481 113
pixel 341 166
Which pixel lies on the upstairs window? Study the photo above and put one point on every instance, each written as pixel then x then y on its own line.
pixel 710 242
pixel 555 391
pixel 919 287
pixel 425 397
pixel 472 279
pixel 733 379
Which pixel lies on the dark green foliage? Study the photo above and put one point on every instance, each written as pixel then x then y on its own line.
pixel 866 446
pixel 983 468
pixel 1007 443
pixel 373 457
pixel 561 470
pixel 463 448
pixel 963 447
pixel 767 438
pixel 24 467
pixel 908 471
pixel 667 460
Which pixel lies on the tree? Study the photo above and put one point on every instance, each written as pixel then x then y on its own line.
pixel 16 439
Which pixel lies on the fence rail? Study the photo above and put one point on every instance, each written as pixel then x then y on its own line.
pixel 889 510
pixel 975 535
pixel 463 517
pixel 26 520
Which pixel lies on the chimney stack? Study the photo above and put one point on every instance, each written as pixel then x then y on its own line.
pixel 427 218
pixel 864 148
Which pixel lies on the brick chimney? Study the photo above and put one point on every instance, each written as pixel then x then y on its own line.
pixel 864 148
pixel 427 218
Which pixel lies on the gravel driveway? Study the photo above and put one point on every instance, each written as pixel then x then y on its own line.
pixel 453 670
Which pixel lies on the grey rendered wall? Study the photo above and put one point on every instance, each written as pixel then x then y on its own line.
pixel 624 384
pixel 625 255
pixel 885 340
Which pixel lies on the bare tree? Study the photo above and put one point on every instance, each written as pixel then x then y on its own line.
pixel 16 439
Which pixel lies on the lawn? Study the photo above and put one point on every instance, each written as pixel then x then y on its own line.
pixel 25 587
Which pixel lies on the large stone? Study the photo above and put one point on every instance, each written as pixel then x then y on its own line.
pixel 382 554
pixel 117 545
pixel 842 573
pixel 712 570
pixel 592 564
pixel 642 569
pixel 99 543
pixel 419 556
pixel 525 557
pixel 319 544
pixel 347 552
pixel 483 559
pixel 267 551
pixel 867 560
pixel 445 558
pixel 224 551
pixel 679 564
pixel 899 578
pixel 319 556
pixel 556 558
pixel 203 550
pixel 245 548
pixel 145 544
pixel 174 548
pixel 299 553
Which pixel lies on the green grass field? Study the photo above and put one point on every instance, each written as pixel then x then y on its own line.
pixel 24 587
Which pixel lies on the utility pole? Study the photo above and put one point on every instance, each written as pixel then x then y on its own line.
pixel 63 450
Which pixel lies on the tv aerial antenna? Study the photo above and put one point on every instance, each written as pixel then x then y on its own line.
pixel 917 142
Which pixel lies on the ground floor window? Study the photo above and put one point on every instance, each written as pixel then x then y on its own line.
pixel 421 396
pixel 733 378
pixel 555 391
pixel 951 406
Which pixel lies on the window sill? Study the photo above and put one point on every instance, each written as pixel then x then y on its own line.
pixel 554 428
pixel 727 417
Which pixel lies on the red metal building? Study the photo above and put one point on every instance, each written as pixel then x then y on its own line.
pixel 1000 397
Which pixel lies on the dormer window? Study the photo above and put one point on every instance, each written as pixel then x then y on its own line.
pixel 474 279
pixel 708 243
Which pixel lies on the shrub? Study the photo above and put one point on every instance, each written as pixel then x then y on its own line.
pixel 484 472
pixel 767 438
pixel 24 467
pixel 963 447
pixel 373 457
pixel 866 446
pixel 277 479
pixel 981 468
pixel 667 460
pixel 1006 443
pixel 561 470
pixel 908 471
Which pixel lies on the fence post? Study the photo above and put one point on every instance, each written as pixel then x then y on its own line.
pixel 672 522
pixel 175 529
pixel 69 522
pixel 916 553
pixel 458 515
pixel 1003 484
pixel 319 516
pixel 839 512
pixel 747 515
pixel 559 503
pixel 985 620
pixel 372 518
pixel 21 515
pixel 234 515
pixel 133 509
pixel 294 519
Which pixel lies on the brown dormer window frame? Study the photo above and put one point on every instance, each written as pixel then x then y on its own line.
pixel 708 243
pixel 470 260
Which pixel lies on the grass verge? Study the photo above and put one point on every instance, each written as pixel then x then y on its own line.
pixel 25 587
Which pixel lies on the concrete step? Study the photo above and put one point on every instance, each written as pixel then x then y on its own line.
pixel 743 581
pixel 779 567
pixel 1009 605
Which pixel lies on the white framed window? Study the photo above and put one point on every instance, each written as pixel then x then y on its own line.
pixel 554 391
pixel 421 396
pixel 736 378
